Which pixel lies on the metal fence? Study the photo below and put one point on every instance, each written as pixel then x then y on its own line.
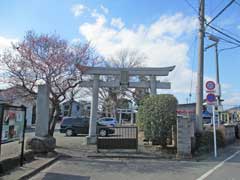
pixel 12 126
pixel 122 137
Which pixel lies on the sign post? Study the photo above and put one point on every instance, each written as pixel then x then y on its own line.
pixel 211 100
pixel 214 132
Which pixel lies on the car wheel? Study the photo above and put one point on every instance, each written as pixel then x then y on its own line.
pixel 103 132
pixel 69 132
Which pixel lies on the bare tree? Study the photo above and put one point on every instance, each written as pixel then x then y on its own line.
pixel 110 97
pixel 47 59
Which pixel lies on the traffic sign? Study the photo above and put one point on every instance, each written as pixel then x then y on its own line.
pixel 211 98
pixel 210 86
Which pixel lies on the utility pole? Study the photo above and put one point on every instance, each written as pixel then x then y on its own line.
pixel 199 91
pixel 217 76
pixel 218 84
pixel 218 87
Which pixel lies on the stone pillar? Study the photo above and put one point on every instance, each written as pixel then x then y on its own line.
pixel 132 116
pixel 120 117
pixel 183 138
pixel 29 115
pixel 42 115
pixel 153 88
pixel 42 142
pixel 91 139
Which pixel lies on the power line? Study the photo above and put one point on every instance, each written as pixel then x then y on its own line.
pixel 236 2
pixel 214 28
pixel 233 34
pixel 193 62
pixel 218 14
pixel 230 48
pixel 228 41
pixel 219 31
pixel 220 3
pixel 191 6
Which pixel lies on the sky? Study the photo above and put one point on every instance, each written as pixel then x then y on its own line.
pixel 166 32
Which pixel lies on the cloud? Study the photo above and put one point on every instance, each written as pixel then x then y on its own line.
pixel 233 99
pixel 78 9
pixel 117 22
pixel 6 42
pixel 238 27
pixel 159 41
pixel 104 9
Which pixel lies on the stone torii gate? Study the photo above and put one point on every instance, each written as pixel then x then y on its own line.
pixel 122 80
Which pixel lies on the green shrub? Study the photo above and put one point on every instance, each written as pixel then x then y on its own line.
pixel 156 116
pixel 204 141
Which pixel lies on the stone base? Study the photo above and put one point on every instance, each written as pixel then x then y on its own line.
pixel 41 144
pixel 91 140
pixel 183 156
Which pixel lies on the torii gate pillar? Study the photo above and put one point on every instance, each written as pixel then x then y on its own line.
pixel 91 138
pixel 153 88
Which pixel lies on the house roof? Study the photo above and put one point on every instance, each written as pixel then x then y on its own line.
pixel 12 94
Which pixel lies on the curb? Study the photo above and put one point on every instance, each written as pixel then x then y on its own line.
pixel 40 168
pixel 126 157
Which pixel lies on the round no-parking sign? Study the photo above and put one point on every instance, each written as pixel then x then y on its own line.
pixel 210 85
pixel 211 98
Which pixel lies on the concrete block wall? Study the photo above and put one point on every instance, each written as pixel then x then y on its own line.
pixel 229 134
pixel 183 138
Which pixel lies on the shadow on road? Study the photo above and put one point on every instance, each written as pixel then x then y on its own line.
pixel 52 176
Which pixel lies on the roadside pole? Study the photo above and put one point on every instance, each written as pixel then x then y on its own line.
pixel 211 100
pixel 214 132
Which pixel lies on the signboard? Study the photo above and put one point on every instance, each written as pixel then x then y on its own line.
pixel 210 86
pixel 211 98
pixel 210 90
pixel 12 124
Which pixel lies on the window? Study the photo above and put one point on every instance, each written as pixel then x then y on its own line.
pixel 78 107
pixel 65 113
pixel 66 107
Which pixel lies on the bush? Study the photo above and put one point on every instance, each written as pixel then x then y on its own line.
pixel 156 116
pixel 204 141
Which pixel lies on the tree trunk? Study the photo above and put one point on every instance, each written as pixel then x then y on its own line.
pixel 51 116
pixel 55 119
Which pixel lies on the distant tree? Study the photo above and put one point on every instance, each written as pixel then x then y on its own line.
pixel 111 97
pixel 47 59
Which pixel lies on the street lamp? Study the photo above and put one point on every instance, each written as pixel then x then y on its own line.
pixel 218 87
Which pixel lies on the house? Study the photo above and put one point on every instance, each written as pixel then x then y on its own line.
pixel 17 96
pixel 75 108
pixel 190 110
pixel 231 115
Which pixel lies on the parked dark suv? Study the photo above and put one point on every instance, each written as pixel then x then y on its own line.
pixel 73 126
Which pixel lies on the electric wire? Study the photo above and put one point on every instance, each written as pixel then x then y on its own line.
pixel 220 12
pixel 211 26
pixel 229 48
pixel 191 6
pixel 237 3
pixel 193 62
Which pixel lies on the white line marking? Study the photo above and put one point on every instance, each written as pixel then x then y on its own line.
pixel 217 166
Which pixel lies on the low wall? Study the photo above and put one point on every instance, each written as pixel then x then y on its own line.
pixel 184 138
pixel 229 134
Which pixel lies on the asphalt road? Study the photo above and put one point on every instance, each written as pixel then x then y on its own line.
pixel 102 169
pixel 79 167
pixel 225 167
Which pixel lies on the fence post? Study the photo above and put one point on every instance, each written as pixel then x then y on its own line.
pixel 23 136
